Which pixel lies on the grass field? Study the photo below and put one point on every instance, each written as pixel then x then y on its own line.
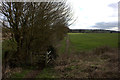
pixel 88 41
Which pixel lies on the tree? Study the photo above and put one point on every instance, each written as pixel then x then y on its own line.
pixel 31 23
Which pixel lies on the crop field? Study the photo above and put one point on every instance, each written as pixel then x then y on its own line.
pixel 89 41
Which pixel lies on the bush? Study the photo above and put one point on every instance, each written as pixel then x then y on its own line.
pixel 8 53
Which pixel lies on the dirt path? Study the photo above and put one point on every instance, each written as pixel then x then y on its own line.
pixel 32 74
pixel 67 45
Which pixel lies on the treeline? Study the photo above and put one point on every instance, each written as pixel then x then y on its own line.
pixel 32 30
pixel 92 31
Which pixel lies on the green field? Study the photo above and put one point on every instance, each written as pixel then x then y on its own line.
pixel 88 41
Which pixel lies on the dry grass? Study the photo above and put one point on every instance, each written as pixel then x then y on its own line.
pixel 100 63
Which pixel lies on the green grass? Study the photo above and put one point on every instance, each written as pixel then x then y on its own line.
pixel 88 41
pixel 47 73
pixel 20 74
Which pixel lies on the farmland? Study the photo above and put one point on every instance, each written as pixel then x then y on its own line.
pixel 83 55
pixel 38 41
pixel 88 41
pixel 89 55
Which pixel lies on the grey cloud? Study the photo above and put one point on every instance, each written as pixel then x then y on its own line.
pixel 106 25
pixel 113 5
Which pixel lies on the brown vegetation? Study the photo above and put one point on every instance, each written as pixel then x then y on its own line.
pixel 99 63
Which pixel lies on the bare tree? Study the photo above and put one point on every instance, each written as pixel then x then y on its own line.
pixel 36 25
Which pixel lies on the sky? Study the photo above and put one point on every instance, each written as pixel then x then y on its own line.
pixel 94 14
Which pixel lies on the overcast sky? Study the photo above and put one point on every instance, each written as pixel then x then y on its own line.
pixel 95 14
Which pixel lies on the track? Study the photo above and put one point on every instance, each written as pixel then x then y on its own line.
pixel 67 45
